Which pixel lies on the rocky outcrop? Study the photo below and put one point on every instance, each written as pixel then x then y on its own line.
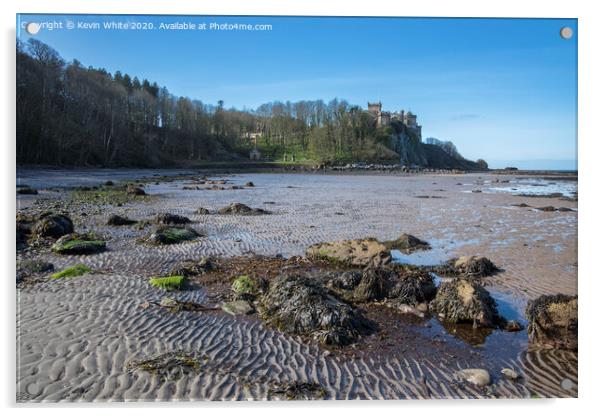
pixel 366 252
pixel 553 322
pixel 171 219
pixel 301 305
pixel 237 208
pixel 393 286
pixel 407 243
pixel 52 225
pixel 461 300
pixel 467 267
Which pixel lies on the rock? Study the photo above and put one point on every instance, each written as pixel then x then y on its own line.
pixel 241 209
pixel 109 183
pixel 467 267
pixel 301 305
pixel 546 209
pixel 193 268
pixel 203 211
pixel 513 326
pixel 553 321
pixel 477 376
pixel 167 219
pixel 117 220
pixel 168 302
pixel 367 252
pixel 564 209
pixel 407 244
pixel 27 191
pixel 172 235
pixel 238 307
pixel 522 205
pixel 52 225
pixel 250 184
pixel 476 191
pixel 34 266
pixel 78 244
pixel 463 301
pixel 405 308
pixel 510 374
pixel 396 286
pixel 134 190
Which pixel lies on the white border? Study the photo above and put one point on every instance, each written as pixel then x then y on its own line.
pixel 590 154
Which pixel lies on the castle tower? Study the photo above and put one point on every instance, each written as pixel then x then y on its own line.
pixel 375 108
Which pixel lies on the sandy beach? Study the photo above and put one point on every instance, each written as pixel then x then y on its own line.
pixel 76 336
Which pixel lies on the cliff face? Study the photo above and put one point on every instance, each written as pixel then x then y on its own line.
pixel 412 151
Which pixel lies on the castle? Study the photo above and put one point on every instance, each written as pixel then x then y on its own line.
pixel 384 118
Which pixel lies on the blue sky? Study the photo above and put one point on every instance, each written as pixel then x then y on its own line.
pixel 501 89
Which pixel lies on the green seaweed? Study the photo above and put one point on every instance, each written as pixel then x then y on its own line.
pixel 243 285
pixel 79 246
pixel 72 271
pixel 169 282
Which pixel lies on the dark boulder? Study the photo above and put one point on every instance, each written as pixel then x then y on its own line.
pixel 167 219
pixel 467 267
pixel 461 300
pixel 27 191
pixel 203 211
pixel 117 220
pixel 250 184
pixel 395 286
pixel 301 305
pixel 52 225
pixel 553 321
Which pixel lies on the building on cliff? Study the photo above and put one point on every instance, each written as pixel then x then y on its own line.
pixel 384 118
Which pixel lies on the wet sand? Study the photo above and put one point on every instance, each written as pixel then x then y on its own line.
pixel 77 335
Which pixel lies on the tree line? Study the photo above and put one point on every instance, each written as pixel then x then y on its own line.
pixel 71 115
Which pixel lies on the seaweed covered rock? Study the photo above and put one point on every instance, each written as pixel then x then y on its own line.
pixel 407 243
pixel 78 244
pixel 172 235
pixel 301 305
pixel 116 220
pixel 461 300
pixel 366 252
pixel 52 225
pixel 553 321
pixel 171 219
pixel 237 208
pixel 468 267
pixel 194 267
pixel 203 211
pixel 397 287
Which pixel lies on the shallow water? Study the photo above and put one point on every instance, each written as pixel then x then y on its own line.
pixel 537 187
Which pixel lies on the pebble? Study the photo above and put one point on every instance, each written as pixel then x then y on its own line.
pixel 477 376
pixel 510 373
